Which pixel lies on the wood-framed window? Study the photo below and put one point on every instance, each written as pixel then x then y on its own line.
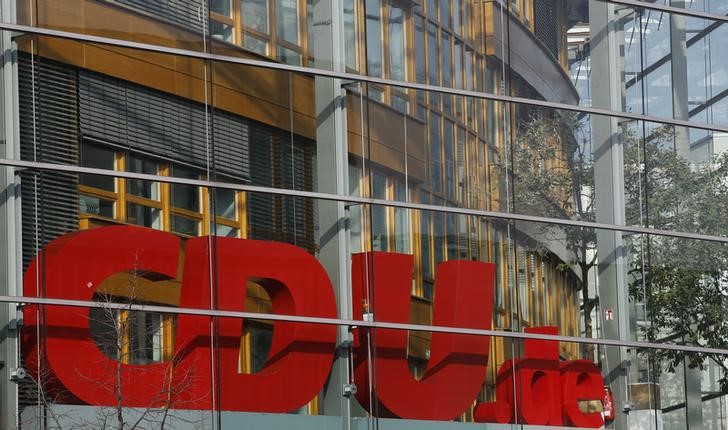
pixel 134 337
pixel 141 200
pixel 98 195
pixel 388 48
pixel 522 283
pixel 223 20
pixel 275 28
pixel 419 63
pixel 143 337
pixel 255 345
pixel 496 256
pixel 389 228
pixel 256 26
pixel 426 280
pixel 186 203
pixel 398 44
pixel 351 34
pixel 289 30
pixel 181 209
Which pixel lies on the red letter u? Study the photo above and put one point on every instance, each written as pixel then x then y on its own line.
pixel 457 365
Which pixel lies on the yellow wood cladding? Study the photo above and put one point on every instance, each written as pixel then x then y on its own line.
pixel 381 132
pixel 260 94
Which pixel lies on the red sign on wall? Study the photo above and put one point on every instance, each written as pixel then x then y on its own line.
pixel 536 389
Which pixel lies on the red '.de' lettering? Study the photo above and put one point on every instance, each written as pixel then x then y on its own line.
pixel 542 390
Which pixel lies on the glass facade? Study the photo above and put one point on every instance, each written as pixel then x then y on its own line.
pixel 363 214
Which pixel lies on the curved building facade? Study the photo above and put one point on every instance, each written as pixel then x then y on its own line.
pixel 357 213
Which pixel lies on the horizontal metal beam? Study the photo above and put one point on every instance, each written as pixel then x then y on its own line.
pixel 667 9
pixel 218 313
pixel 36 165
pixel 355 77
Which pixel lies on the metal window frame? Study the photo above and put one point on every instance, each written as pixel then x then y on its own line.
pixel 355 200
pixel 352 324
pixel 21 30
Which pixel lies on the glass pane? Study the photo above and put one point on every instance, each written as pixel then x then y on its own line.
pixel 143 215
pixel 260 336
pixel 446 62
pixel 356 214
pixel 452 236
pixel 145 333
pixel 374 38
pixel 433 55
pixel 288 56
pixel 496 256
pixel 350 34
pixel 435 154
pixel 96 206
pixel 223 7
pixel 255 14
pixel 426 241
pixel 438 233
pixel 433 64
pixel 458 61
pixel 146 189
pixel 445 13
pixel 99 158
pixel 460 174
pixel 397 55
pixel 449 159
pixel 375 93
pixel 402 222
pixel 185 196
pixel 400 103
pixel 420 69
pixel 184 225
pixel 104 329
pixel 380 237
pixel 222 31
pixel 432 9
pixel 287 20
pixel 522 277
pixel 226 204
pixel 310 36
pixel 255 44
pixel 226 231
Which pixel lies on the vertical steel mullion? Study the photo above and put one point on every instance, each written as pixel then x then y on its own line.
pixel 10 226
pixel 607 92
pixel 332 150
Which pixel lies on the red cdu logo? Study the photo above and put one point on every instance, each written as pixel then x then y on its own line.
pixel 536 389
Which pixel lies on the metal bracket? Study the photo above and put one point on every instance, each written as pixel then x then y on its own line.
pixel 343 350
pixel 349 390
pixel 17 374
